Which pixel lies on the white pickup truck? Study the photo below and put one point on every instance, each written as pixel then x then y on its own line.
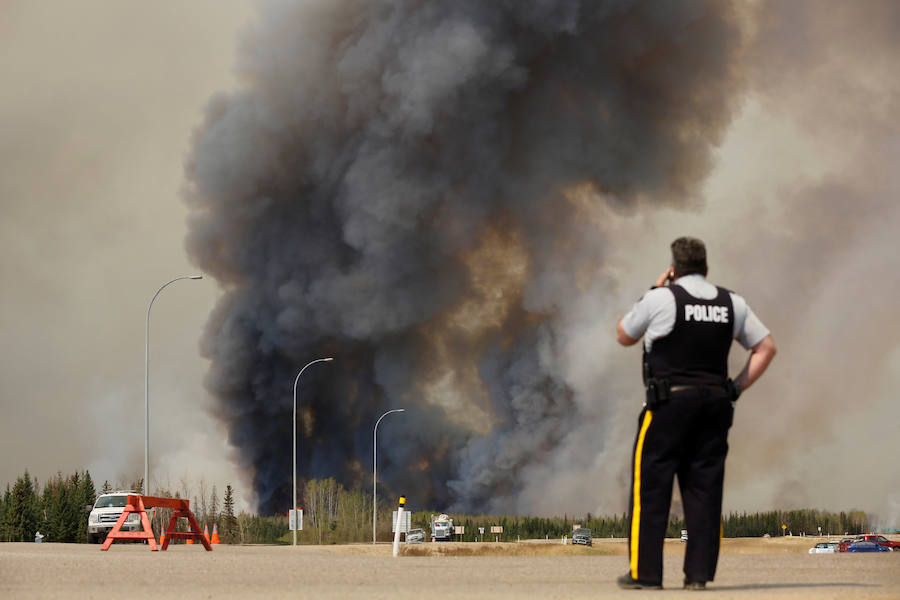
pixel 106 511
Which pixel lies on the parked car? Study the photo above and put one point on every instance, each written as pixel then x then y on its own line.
pixel 106 511
pixel 880 540
pixel 824 548
pixel 582 536
pixel 845 543
pixel 864 546
pixel 415 536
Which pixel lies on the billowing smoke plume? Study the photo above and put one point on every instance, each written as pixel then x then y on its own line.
pixel 414 188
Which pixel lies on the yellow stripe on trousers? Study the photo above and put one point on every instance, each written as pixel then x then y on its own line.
pixel 636 510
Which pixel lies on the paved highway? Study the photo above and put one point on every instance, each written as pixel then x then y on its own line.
pixel 29 570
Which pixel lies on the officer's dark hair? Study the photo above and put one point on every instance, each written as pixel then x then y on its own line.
pixel 689 256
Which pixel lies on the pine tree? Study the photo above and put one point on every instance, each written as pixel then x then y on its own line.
pixel 4 522
pixel 72 510
pixel 86 496
pixel 23 510
pixel 58 512
pixel 63 522
pixel 107 488
pixel 229 520
pixel 47 514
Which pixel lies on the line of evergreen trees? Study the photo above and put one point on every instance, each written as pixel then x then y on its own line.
pixel 796 522
pixel 334 515
pixel 58 510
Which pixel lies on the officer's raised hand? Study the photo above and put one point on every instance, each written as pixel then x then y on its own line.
pixel 668 275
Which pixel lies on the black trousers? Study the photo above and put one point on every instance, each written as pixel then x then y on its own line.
pixel 687 436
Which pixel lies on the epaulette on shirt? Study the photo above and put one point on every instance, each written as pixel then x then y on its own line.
pixel 652 287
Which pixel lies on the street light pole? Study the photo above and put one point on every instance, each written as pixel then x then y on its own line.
pixel 375 466
pixel 296 381
pixel 146 489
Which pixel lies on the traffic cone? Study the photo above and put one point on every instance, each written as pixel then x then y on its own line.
pixel 189 540
pixel 162 535
pixel 215 536
pixel 206 532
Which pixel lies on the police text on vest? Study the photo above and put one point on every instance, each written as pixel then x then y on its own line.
pixel 706 313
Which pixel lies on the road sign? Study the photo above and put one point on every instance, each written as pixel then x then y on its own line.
pixel 295 520
pixel 496 529
pixel 404 524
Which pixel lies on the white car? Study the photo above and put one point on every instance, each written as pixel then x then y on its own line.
pixel 415 536
pixel 582 536
pixel 106 511
pixel 824 548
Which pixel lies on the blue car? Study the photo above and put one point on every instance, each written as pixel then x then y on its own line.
pixel 867 547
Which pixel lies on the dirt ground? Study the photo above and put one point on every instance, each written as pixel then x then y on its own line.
pixel 748 568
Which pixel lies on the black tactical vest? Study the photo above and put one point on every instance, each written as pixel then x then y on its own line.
pixel 696 350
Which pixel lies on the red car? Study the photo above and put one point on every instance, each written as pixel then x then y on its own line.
pixel 878 539
pixel 845 543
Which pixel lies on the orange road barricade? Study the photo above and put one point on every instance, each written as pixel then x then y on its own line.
pixel 140 504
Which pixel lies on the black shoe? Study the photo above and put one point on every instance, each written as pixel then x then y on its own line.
pixel 626 582
pixel 694 585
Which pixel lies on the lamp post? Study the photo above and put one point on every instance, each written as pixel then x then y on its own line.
pixel 296 381
pixel 146 489
pixel 375 466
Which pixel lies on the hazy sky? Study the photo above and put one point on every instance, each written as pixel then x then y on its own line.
pixel 97 105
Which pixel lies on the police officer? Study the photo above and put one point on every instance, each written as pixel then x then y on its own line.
pixel 688 325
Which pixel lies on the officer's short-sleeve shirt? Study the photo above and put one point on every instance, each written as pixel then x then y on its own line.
pixel 653 316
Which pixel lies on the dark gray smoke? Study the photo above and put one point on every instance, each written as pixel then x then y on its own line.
pixel 405 186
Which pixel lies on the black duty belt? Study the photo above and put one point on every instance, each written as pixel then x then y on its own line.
pixel 659 392
pixel 685 388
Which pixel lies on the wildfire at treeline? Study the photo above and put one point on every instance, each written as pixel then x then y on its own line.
pixel 333 514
